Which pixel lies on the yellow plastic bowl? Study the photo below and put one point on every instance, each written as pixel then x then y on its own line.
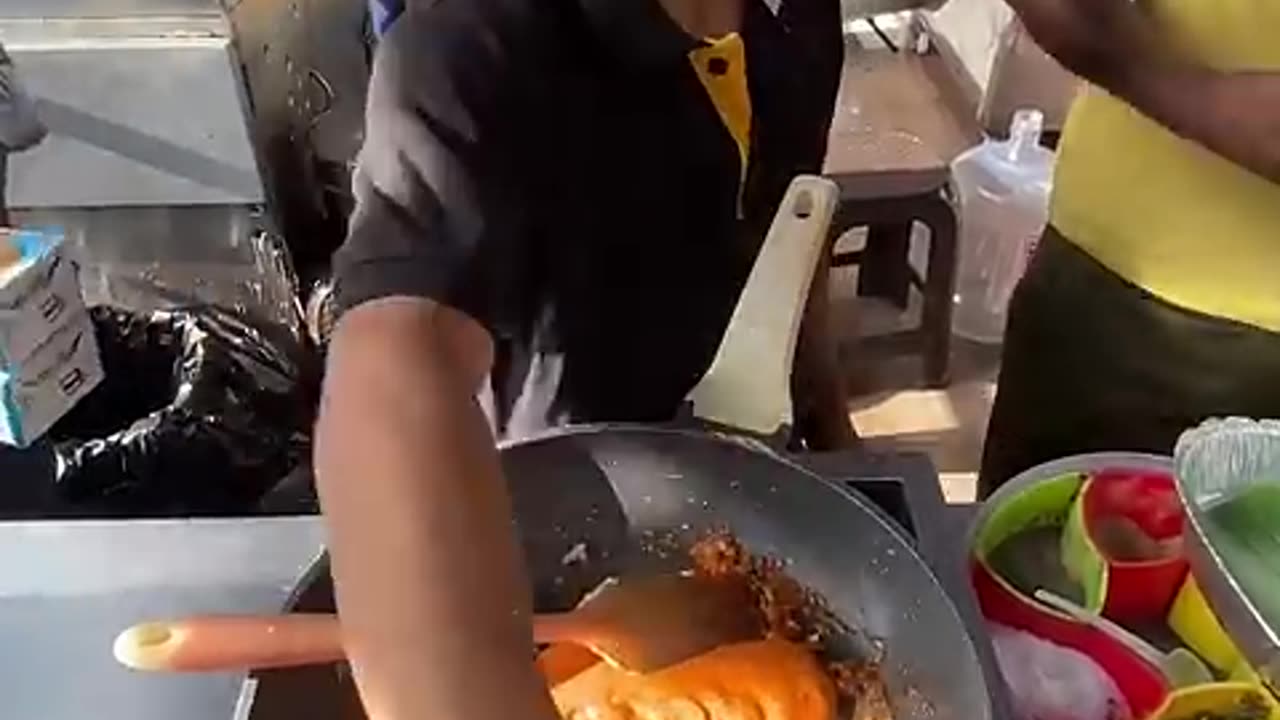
pixel 1194 622
pixel 1214 698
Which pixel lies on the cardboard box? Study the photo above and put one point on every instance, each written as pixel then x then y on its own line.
pixel 39 292
pixel 35 393
pixel 48 351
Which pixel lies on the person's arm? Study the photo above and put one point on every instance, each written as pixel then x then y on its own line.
pixel 817 384
pixel 430 585
pixel 1115 45
pixel 427 570
pixel 1234 114
pixel 20 128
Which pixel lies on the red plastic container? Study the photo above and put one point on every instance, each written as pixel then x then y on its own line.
pixel 1142 685
pixel 1148 502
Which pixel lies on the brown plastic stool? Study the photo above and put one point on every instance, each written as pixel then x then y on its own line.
pixel 892 141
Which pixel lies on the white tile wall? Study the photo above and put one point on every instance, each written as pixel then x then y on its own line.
pixel 972 28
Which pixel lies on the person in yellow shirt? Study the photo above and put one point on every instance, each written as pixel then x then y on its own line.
pixel 1153 300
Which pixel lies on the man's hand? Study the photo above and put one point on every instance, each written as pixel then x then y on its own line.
pixel 1115 45
pixel 1235 114
pixel 20 128
pixel 1099 40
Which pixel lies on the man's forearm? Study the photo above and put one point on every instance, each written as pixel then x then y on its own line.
pixel 1234 114
pixel 20 128
pixel 1115 45
pixel 429 578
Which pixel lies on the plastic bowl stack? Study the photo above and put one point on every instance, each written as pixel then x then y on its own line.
pixel 1108 535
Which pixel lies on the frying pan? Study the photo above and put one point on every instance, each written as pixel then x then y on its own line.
pixel 596 501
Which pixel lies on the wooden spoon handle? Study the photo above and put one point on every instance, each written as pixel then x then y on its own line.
pixel 566 627
pixel 231 643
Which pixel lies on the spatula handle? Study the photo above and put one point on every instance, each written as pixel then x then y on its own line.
pixel 749 383
pixel 567 627
pixel 215 643
pixel 231 643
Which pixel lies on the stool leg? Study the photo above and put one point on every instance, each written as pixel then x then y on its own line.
pixel 939 290
pixel 842 223
pixel 886 272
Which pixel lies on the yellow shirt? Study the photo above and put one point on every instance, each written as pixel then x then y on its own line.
pixel 1166 214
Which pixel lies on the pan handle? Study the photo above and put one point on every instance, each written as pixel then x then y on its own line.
pixel 749 383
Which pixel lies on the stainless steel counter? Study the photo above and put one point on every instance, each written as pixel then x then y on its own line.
pixel 67 588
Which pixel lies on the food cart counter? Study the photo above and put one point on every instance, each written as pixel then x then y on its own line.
pixel 71 586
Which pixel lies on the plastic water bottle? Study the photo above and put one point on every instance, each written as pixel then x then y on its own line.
pixel 1003 188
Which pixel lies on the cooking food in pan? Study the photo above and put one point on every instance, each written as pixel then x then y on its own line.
pixel 785 674
pixel 758 680
pixel 593 503
pixel 731 637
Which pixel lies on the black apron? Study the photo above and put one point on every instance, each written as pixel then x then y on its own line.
pixel 1094 363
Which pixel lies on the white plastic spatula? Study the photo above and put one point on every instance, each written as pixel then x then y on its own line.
pixel 760 342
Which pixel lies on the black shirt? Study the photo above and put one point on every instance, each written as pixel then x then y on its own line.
pixel 561 171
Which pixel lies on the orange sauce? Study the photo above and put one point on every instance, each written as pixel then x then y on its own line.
pixel 760 680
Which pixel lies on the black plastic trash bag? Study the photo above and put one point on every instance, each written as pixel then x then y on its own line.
pixel 201 413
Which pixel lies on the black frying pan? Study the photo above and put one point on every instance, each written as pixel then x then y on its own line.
pixel 634 497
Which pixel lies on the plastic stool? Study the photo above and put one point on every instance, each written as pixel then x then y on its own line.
pixel 892 141
pixel 933 336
